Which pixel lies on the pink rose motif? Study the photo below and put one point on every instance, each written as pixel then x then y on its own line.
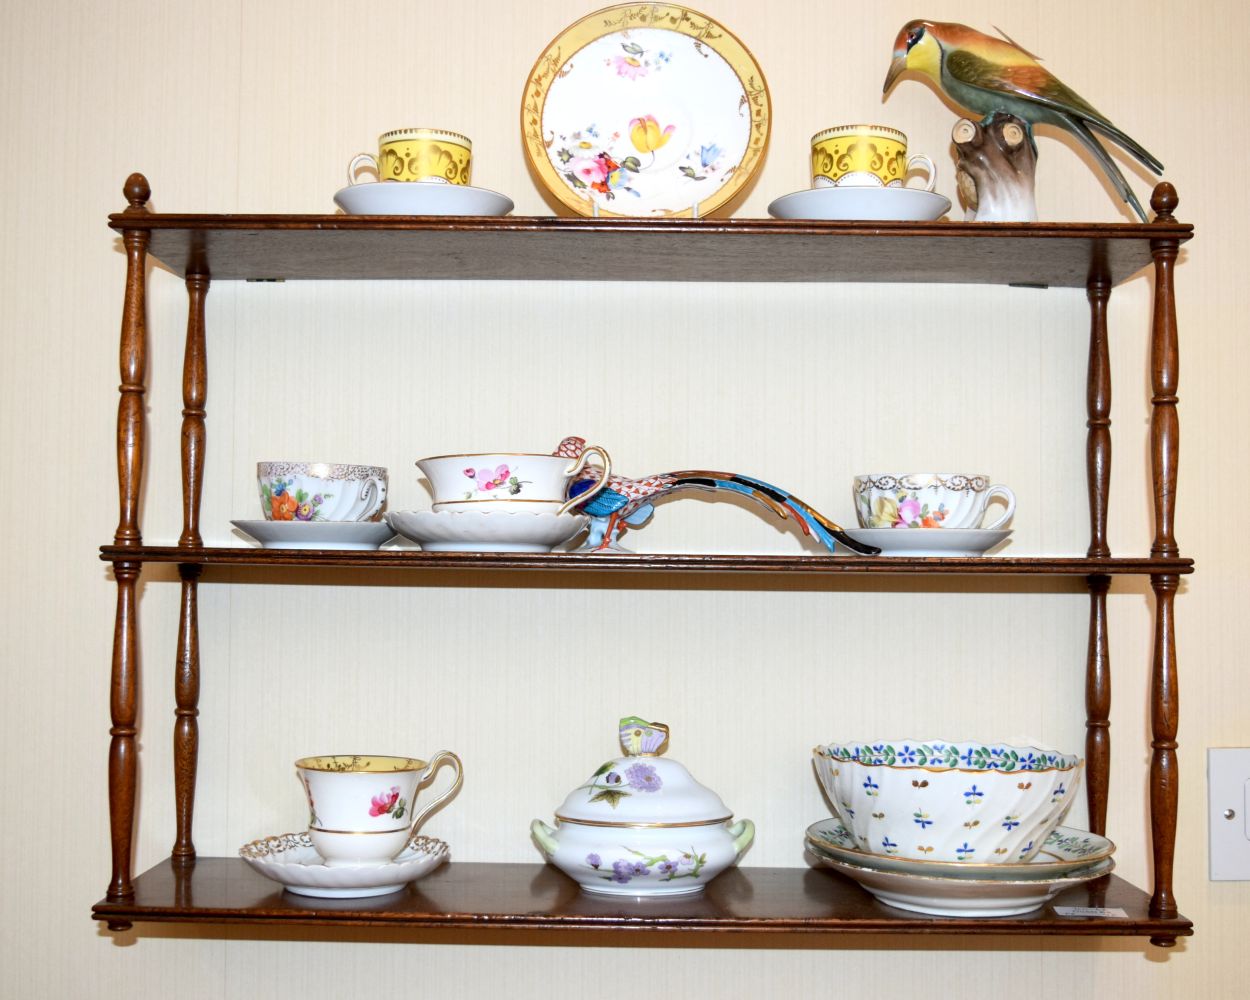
pixel 588 170
pixel 384 803
pixel 908 511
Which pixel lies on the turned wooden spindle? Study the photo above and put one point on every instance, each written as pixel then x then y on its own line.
pixel 1098 706
pixel 186 714
pixel 1098 422
pixel 123 701
pixel 194 398
pixel 1164 451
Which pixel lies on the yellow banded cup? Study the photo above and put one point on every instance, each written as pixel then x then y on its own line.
pixel 426 155
pixel 865 156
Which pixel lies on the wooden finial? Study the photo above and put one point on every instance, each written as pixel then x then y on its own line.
pixel 137 192
pixel 1164 200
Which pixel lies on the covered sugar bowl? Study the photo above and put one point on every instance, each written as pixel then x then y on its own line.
pixel 641 825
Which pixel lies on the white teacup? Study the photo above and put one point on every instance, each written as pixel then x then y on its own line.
pixel 927 500
pixel 510 482
pixel 321 491
pixel 361 807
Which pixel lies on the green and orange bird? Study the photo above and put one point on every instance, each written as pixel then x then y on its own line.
pixel 992 75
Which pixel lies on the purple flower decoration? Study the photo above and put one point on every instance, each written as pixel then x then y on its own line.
pixel 594 860
pixel 638 868
pixel 612 778
pixel 318 498
pixel 667 867
pixel 686 861
pixel 622 871
pixel 643 778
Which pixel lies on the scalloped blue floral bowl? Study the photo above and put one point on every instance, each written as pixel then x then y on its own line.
pixel 943 800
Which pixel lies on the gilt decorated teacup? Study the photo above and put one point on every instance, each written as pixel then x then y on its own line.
pixel 510 482
pixel 425 155
pixel 362 808
pixel 865 156
pixel 928 500
pixel 321 491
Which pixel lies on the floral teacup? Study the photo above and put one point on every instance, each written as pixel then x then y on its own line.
pixel 321 491
pixel 927 500
pixel 510 482
pixel 361 808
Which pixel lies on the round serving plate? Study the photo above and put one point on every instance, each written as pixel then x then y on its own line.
pixel 645 110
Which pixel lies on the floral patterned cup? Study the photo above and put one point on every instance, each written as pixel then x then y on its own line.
pixel 321 491
pixel 510 482
pixel 927 500
pixel 361 808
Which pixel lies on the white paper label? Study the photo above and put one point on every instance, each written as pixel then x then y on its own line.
pixel 1091 911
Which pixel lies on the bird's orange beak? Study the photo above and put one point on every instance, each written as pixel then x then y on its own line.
pixel 896 68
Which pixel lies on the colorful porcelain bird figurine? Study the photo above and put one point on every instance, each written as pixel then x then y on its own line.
pixel 629 502
pixel 993 75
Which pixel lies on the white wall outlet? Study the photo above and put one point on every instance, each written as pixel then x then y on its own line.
pixel 1228 812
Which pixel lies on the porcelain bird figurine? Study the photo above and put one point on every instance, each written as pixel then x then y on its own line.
pixel 629 502
pixel 993 75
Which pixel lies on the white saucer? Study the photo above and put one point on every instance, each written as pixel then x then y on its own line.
pixel 416 198
pixel 931 541
pixel 862 203
pixel 316 534
pixel 485 530
pixel 959 897
pixel 1065 852
pixel 291 860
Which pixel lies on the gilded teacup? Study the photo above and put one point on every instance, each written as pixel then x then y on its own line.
pixel 321 491
pixel 362 808
pixel 427 155
pixel 865 156
pixel 928 500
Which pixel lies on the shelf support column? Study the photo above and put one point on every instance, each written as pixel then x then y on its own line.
pixel 131 433
pixel 1164 448
pixel 1098 478
pixel 187 663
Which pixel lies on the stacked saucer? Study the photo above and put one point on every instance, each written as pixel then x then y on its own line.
pixel 486 530
pixel 960 889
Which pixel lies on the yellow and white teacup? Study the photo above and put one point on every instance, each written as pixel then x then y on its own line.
pixel 865 156
pixel 426 155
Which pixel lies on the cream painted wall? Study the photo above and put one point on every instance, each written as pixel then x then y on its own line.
pixel 250 107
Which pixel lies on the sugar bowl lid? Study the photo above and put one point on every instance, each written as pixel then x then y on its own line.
pixel 642 788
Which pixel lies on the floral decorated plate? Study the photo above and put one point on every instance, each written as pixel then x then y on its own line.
pixel 875 204
pixel 1066 852
pixel 959 897
pixel 645 109
pixel 290 860
pixel 316 534
pixel 414 198
pixel 931 541
pixel 485 530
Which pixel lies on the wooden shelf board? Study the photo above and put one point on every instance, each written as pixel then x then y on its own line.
pixel 476 896
pixel 292 247
pixel 627 562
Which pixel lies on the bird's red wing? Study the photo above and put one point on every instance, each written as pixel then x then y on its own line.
pixel 1024 79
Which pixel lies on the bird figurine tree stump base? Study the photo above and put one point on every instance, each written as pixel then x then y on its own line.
pixel 995 171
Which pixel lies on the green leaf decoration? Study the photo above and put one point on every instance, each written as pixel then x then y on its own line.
pixel 632 164
pixel 690 172
pixel 266 492
pixel 301 496
pixel 564 155
pixel 609 795
pixel 604 769
pixel 576 181
pixel 633 48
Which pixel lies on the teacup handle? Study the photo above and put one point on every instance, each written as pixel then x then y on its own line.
pixel 362 160
pixel 435 761
pixel 379 496
pixel 922 160
pixel 577 467
pixel 1000 491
